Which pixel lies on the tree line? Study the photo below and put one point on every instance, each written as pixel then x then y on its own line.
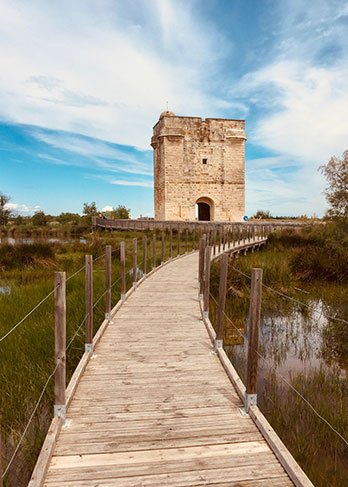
pixel 40 219
pixel 335 172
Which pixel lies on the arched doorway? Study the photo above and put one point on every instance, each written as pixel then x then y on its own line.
pixel 204 209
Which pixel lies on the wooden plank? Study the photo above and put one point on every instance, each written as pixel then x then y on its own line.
pixel 41 467
pixel 154 405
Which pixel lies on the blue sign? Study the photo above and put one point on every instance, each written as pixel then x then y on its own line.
pixel 245 218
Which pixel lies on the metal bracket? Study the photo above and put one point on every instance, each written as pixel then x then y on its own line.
pixel 60 411
pixel 218 344
pixel 88 347
pixel 205 315
pixel 249 400
pixel 108 316
pixel 123 298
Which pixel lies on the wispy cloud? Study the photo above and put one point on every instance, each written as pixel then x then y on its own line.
pixel 95 153
pixel 301 98
pixel 121 182
pixel 111 73
pixel 22 208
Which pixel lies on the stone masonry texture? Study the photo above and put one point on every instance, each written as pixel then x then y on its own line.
pixel 197 160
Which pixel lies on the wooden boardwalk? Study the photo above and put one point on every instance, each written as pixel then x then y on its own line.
pixel 155 407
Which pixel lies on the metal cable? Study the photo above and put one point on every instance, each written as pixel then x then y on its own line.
pixel 271 366
pixel 76 333
pixel 291 298
pixel 29 422
pixel 100 297
pixel 28 314
pixel 75 273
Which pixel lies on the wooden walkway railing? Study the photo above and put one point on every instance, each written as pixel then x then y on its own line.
pixel 247 228
pixel 151 402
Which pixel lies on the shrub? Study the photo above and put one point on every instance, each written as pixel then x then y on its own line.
pixel 24 254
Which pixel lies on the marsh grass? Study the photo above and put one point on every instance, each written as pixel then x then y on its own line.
pixel 289 326
pixel 27 355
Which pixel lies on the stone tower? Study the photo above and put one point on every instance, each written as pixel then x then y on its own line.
pixel 198 168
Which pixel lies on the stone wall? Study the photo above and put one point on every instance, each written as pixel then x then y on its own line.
pixel 196 158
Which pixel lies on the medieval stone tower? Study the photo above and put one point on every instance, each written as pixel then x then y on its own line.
pixel 198 168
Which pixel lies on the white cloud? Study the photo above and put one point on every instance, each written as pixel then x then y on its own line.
pixel 107 208
pixel 310 120
pixel 121 182
pixel 103 69
pixel 96 153
pixel 22 208
pixel 302 99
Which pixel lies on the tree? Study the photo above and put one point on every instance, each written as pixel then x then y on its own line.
pixel 262 215
pixel 67 217
pixel 90 209
pixel 120 213
pixel 5 211
pixel 39 219
pixel 336 174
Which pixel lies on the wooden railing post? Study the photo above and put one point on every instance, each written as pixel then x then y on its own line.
pixel 186 249
pixel 123 270
pixel 202 243
pixel 135 260
pixel 179 243
pixel 253 339
pixel 144 254
pixel 94 227
pixel 108 282
pixel 60 344
pixel 220 317
pixel 223 238
pixel 220 240
pixel 89 303
pixel 154 250
pixel 206 281
pixel 214 241
pixel 194 238
pixel 170 243
pixel 162 247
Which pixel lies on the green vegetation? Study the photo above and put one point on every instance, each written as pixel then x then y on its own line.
pixel 336 173
pixel 5 212
pixel 310 266
pixel 319 252
pixel 26 356
pixel 44 225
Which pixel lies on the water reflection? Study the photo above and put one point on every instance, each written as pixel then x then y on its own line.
pixel 33 240
pixel 295 341
pixel 5 290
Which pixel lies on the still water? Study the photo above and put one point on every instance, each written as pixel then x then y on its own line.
pixel 32 240
pixel 303 352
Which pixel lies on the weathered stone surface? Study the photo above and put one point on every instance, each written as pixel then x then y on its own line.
pixel 198 160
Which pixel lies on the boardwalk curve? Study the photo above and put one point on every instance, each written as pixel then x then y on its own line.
pixel 155 407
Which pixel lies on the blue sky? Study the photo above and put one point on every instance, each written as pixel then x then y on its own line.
pixel 83 82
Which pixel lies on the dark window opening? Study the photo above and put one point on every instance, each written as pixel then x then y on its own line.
pixel 203 212
pixel 205 161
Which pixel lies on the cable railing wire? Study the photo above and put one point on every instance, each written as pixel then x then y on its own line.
pixel 271 366
pixel 45 299
pixel 75 273
pixel 28 314
pixel 29 421
pixel 290 298
pixel 76 332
